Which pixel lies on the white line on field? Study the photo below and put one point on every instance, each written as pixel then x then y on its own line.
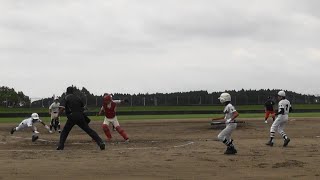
pixel 25 150
pixel 43 140
pixel 189 143
pixel 135 148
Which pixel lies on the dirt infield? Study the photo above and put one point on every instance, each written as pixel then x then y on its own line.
pixel 168 149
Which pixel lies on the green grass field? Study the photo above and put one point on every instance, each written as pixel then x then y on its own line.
pixel 162 108
pixel 159 117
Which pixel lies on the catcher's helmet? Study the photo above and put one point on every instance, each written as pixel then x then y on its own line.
pixel 107 98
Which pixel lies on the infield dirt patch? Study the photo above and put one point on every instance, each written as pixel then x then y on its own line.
pixel 167 149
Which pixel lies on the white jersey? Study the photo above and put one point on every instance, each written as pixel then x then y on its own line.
pixel 29 122
pixel 228 111
pixel 284 104
pixel 54 107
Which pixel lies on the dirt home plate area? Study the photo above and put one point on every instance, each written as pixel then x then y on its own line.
pixel 166 149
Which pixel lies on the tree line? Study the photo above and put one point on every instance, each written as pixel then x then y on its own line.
pixel 240 97
pixel 10 98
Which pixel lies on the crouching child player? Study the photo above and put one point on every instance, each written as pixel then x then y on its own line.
pixel 230 114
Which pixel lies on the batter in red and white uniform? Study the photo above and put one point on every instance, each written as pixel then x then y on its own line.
pixel 109 107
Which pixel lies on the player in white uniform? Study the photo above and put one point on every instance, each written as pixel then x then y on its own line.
pixel 284 107
pixel 54 111
pixel 29 123
pixel 230 114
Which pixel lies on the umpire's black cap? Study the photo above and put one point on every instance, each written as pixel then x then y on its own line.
pixel 70 90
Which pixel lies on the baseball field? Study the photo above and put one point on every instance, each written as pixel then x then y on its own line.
pixel 164 148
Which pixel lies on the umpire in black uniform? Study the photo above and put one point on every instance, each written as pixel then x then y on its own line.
pixel 74 108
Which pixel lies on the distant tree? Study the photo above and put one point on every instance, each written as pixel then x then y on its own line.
pixel 202 97
pixel 10 98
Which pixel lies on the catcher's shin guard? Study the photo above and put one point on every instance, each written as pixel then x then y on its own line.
pixel 122 132
pixel 106 131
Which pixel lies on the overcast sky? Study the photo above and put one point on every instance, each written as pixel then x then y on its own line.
pixel 132 46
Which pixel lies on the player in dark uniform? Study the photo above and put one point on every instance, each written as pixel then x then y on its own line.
pixel 268 109
pixel 74 108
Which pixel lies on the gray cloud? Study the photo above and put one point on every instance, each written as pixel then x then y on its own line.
pixel 159 46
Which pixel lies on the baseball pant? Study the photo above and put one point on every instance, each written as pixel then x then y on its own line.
pixel 113 121
pixel 77 119
pixel 225 134
pixel 278 125
pixel 268 113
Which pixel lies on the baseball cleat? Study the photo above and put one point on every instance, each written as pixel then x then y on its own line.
pixel 269 143
pixel 34 138
pixel 230 150
pixel 12 130
pixel 59 148
pixel 102 146
pixel 286 142
pixel 266 121
pixel 127 141
pixel 235 150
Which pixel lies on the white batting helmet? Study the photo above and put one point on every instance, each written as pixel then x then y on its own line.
pixel 224 97
pixel 282 94
pixel 35 116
